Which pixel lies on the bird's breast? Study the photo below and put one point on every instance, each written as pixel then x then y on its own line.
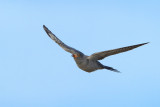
pixel 87 65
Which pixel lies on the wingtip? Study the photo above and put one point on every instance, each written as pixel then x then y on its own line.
pixel 146 42
pixel 142 44
pixel 116 71
pixel 44 27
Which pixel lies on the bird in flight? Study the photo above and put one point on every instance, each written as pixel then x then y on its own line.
pixel 90 63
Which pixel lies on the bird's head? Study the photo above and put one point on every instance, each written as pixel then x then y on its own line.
pixel 75 55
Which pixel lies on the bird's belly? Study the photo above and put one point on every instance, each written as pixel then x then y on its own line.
pixel 89 67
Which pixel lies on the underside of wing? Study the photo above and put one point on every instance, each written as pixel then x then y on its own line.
pixel 60 43
pixel 101 55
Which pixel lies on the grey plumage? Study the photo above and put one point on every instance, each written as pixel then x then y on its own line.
pixel 90 63
pixel 101 55
pixel 60 43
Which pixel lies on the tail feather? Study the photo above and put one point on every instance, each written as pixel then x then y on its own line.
pixel 111 69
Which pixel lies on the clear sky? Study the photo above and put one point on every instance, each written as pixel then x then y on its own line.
pixel 36 72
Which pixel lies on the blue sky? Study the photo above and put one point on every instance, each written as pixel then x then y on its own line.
pixel 36 72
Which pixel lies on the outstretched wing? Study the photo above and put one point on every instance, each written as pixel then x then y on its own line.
pixel 101 55
pixel 60 43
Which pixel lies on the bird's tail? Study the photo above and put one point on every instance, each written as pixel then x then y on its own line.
pixel 110 68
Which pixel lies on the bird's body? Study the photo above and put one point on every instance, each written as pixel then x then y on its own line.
pixel 89 63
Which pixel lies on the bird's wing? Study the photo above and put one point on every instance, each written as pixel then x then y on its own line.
pixel 101 55
pixel 60 43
